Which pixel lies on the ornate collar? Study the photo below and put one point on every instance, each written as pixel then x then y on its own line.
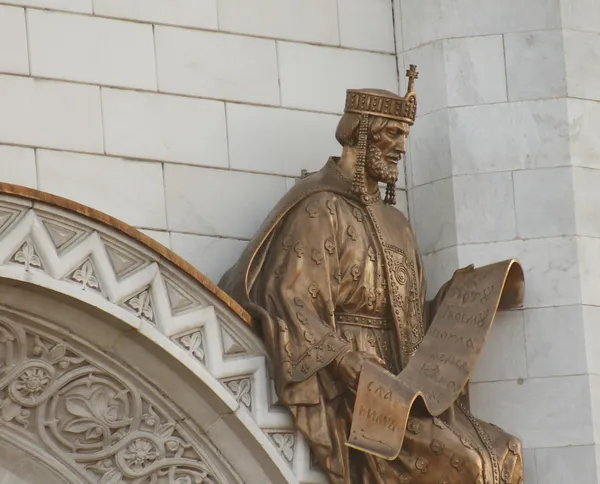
pixel 346 183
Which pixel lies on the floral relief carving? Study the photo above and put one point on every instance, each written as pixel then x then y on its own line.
pixel 85 275
pixel 32 382
pixel 141 304
pixel 317 256
pixel 99 423
pixel 331 205
pixel 352 233
pixel 329 245
pixel 312 209
pixel 194 344
pixel 284 442
pixel 27 255
pixel 241 390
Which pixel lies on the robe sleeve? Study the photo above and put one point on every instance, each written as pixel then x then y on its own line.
pixel 297 290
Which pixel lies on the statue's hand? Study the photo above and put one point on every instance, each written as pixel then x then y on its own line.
pixel 468 268
pixel 350 364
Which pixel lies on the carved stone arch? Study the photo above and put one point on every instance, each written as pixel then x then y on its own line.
pixel 119 361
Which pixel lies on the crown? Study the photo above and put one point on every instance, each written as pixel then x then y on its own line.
pixel 385 104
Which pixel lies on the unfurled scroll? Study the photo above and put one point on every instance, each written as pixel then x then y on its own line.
pixel 442 365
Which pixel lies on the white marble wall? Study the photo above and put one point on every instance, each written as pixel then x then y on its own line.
pixel 190 120
pixel 186 119
pixel 504 162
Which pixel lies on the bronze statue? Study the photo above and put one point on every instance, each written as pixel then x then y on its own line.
pixel 335 282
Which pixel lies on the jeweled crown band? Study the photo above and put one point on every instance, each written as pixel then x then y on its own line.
pixel 402 109
pixel 383 104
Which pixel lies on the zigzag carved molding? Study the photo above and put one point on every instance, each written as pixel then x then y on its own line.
pixel 99 265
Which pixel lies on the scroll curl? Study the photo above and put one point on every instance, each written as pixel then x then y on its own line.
pixel 444 362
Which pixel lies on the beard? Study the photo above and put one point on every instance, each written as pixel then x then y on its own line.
pixel 378 168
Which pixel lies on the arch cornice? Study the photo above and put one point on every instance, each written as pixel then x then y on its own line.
pixel 129 231
pixel 168 306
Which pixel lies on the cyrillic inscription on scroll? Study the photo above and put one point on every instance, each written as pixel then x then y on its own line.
pixel 442 366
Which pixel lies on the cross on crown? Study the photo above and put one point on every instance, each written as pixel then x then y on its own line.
pixel 373 102
pixel 412 74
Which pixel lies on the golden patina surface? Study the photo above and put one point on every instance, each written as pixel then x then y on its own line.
pixel 335 284
pixel 442 367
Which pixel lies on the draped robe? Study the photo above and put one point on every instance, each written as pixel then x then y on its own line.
pixel 329 272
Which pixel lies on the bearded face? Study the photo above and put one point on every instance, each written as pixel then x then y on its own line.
pixel 378 168
pixel 384 151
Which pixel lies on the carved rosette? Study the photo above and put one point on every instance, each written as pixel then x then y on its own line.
pixel 101 424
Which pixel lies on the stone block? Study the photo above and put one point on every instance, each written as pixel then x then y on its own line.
pixel 529 467
pixel 430 20
pixel 543 412
pixel 219 202
pixel 535 68
pixel 551 271
pixel 551 267
pixel 567 464
pixel 163 127
pixel 429 156
pixel 228 434
pixel 538 133
pixel 544 202
pixel 595 397
pixel 589 262
pixel 132 191
pixel 88 49
pixel 83 6
pixel 439 267
pixel 581 15
pixel 482 254
pixel 401 73
pixel 397 26
pixel 401 182
pixel 316 78
pixel 367 24
pixel 18 468
pixel 556 341
pixel 307 21
pixel 584 118
pixel 421 22
pixel 582 54
pixel 512 136
pixel 586 201
pixel 591 322
pixel 17 166
pixel 479 139
pixel 162 237
pixel 274 140
pixel 432 92
pixel 217 65
pixel 290 182
pixel 475 70
pixel 50 114
pixel 402 202
pixel 190 13
pixel 503 357
pixel 210 255
pixel 484 208
pixel 13 33
pixel 433 215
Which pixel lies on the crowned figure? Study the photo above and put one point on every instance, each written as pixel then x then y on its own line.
pixel 333 279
